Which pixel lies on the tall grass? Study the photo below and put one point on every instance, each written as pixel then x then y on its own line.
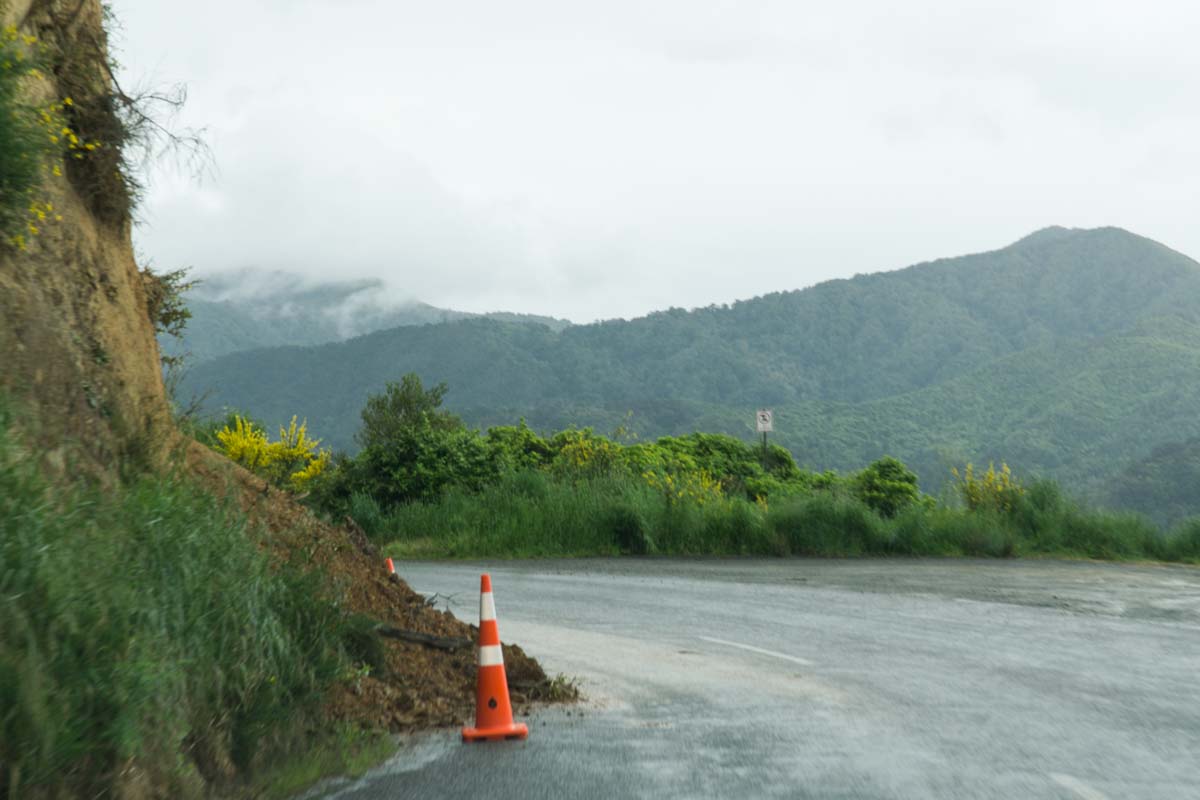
pixel 533 514
pixel 144 625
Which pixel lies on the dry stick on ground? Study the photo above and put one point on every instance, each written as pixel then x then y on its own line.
pixel 439 642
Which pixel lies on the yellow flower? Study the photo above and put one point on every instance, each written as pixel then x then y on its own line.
pixel 68 102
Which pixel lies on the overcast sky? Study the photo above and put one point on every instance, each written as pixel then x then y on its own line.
pixel 602 159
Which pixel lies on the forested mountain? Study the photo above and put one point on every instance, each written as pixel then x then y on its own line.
pixel 1069 353
pixel 254 309
pixel 1164 485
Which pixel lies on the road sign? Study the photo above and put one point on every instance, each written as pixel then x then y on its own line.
pixel 766 420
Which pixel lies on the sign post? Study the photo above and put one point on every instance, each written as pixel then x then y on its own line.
pixel 765 419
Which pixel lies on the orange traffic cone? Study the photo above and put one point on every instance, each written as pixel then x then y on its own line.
pixel 493 711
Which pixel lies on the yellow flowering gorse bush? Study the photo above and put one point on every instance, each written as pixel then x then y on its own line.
pixel 997 490
pixel 697 486
pixel 294 461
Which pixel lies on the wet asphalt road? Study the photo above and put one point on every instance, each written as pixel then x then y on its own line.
pixel 832 679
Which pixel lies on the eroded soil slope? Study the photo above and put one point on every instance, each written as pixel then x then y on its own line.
pixel 423 686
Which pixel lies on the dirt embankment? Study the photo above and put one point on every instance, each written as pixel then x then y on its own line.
pixel 422 686
pixel 76 338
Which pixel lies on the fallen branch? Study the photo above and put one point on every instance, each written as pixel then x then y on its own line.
pixel 439 642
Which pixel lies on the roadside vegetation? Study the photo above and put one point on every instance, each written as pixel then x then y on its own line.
pixel 142 616
pixel 425 485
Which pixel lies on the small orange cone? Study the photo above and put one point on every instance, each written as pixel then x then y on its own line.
pixel 493 711
pixel 391 567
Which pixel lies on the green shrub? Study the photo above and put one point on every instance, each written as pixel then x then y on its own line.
pixel 887 486
pixel 419 463
pixel 519 448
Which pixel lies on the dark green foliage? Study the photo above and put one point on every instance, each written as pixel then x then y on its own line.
pixel 403 407
pixel 1165 485
pixel 887 486
pixel 420 463
pixel 411 451
pixel 628 530
pixel 518 447
pixel 140 621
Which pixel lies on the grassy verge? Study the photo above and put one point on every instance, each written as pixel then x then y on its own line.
pixel 143 631
pixel 345 752
pixel 531 514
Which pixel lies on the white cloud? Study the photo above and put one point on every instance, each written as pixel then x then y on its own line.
pixel 594 160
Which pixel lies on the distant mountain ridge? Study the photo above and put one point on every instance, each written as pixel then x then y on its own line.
pixel 1068 353
pixel 251 309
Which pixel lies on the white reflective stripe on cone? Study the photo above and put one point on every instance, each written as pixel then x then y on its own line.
pixel 487 607
pixel 490 655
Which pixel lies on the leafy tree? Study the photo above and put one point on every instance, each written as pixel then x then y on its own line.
pixel 887 486
pixel 402 407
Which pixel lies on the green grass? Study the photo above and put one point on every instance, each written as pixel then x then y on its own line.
pixel 145 625
pixel 532 515
pixel 346 751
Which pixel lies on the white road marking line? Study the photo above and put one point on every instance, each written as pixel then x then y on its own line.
pixel 1077 786
pixel 759 650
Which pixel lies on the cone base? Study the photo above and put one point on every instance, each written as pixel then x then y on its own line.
pixel 516 731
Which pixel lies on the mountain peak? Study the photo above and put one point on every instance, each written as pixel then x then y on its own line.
pixel 1058 233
